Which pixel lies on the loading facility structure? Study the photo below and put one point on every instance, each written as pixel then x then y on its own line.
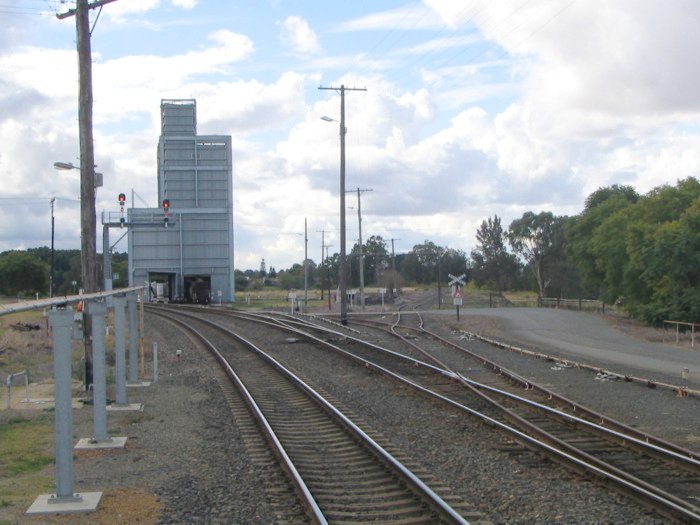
pixel 186 247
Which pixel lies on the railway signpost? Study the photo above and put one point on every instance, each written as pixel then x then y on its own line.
pixel 457 294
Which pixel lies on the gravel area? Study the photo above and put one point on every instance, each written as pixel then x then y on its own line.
pixel 656 411
pixel 496 476
pixel 186 463
pixel 186 460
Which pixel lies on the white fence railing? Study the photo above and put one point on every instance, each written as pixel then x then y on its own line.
pixel 678 325
pixel 573 304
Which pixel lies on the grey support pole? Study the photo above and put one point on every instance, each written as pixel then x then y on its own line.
pixel 99 438
pixel 65 500
pixel 120 356
pixel 61 324
pixel 155 362
pixel 99 382
pixel 133 338
pixel 119 349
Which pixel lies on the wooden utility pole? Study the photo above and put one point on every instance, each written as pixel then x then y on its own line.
pixel 393 268
pixel 322 265
pixel 343 259
pixel 88 237
pixel 306 267
pixel 362 264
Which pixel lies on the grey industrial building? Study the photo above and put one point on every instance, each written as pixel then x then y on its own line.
pixel 195 248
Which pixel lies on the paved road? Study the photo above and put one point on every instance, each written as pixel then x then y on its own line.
pixel 588 338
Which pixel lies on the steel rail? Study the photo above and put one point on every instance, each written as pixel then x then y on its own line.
pixel 632 432
pixel 423 489
pixel 659 447
pixel 681 391
pixel 316 514
pixel 631 483
pixel 652 443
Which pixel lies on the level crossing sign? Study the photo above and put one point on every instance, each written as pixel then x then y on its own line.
pixel 457 294
pixel 457 280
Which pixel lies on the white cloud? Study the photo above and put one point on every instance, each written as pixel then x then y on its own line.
pixel 411 17
pixel 527 105
pixel 185 4
pixel 122 8
pixel 298 35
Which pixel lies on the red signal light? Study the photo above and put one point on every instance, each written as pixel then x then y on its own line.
pixel 166 204
pixel 122 199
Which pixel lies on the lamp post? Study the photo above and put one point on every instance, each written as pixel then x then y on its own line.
pixel 89 181
pixel 88 252
pixel 343 262
pixel 53 200
pixel 342 278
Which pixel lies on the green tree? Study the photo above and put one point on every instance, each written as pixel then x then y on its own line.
pixel 586 251
pixel 662 254
pixel 241 279
pixel 492 265
pixel 293 278
pixel 376 258
pixel 22 273
pixel 538 239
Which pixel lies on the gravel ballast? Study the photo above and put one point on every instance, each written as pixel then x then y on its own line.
pixel 188 461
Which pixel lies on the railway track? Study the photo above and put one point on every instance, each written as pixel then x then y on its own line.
pixel 650 463
pixel 340 473
pixel 655 472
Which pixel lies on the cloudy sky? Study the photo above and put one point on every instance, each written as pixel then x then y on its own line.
pixel 473 108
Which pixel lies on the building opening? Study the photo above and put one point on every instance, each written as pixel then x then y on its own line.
pixel 161 287
pixel 198 289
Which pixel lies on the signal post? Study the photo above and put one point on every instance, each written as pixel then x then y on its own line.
pixel 457 294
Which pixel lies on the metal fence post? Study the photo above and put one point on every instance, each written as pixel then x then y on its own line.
pixel 155 362
pixel 119 350
pixel 99 381
pixel 133 338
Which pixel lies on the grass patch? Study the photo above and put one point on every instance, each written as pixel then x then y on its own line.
pixel 269 299
pixel 521 298
pixel 24 444
pixel 23 462
pixel 30 350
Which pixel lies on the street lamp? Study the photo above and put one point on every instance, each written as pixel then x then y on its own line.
pixel 343 263
pixel 342 279
pixel 89 181
pixel 69 166
pixel 53 200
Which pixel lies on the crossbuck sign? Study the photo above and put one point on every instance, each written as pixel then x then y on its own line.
pixel 457 280
pixel 457 295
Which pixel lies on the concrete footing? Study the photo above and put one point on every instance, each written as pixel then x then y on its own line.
pixel 137 384
pixel 127 407
pixel 90 444
pixel 50 504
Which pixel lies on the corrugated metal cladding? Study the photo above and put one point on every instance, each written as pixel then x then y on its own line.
pixel 195 175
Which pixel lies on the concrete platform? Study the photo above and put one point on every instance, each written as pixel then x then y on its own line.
pixel 129 407
pixel 48 504
pixel 137 384
pixel 89 444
